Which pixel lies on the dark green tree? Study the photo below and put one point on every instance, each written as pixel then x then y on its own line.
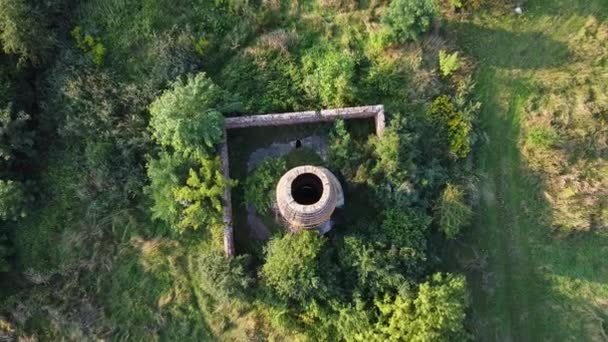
pixel 406 20
pixel 188 116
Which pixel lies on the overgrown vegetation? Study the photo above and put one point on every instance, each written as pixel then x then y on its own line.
pixel 110 186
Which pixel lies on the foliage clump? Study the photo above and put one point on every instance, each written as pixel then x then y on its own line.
pixel 454 213
pixel 408 19
pixel 295 268
pixel 448 63
pixel 23 31
pixel 89 44
pixel 261 185
pixel 14 200
pixel 453 126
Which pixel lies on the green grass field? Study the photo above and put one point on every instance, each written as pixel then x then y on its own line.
pixel 526 284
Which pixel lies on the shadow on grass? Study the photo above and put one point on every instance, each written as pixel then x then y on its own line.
pixel 526 284
pixel 507 49
pixel 597 8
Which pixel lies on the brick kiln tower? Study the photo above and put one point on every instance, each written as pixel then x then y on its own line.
pixel 307 197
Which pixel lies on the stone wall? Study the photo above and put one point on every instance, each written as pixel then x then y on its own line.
pixel 280 119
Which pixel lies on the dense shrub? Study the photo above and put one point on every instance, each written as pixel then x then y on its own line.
pixel 223 279
pixel 89 44
pixel 261 185
pixel 295 268
pixel 342 155
pixel 201 197
pixel 188 117
pixel 406 228
pixel 454 213
pixel 273 81
pixel 14 200
pixel 408 19
pixel 436 314
pixel 184 197
pixel 376 269
pixel 329 73
pixel 453 127
pixel 14 134
pixel 23 31
pixel 448 63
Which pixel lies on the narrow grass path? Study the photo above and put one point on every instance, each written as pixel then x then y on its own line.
pixel 526 285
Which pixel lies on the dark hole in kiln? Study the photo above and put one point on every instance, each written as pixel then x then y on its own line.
pixel 298 144
pixel 307 189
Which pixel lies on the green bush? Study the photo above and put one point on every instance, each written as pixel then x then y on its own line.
pixel 23 31
pixel 340 149
pixel 453 212
pixel 14 200
pixel 436 314
pixel 295 269
pixel 406 228
pixel 541 137
pixel 408 19
pixel 201 197
pixel 188 116
pixel 14 135
pixel 224 279
pixel 272 84
pixel 261 185
pixel 448 63
pixel 329 75
pixel 374 269
pixel 89 44
pixel 185 198
pixel 453 126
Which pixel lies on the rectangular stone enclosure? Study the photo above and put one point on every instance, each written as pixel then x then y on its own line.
pixel 376 112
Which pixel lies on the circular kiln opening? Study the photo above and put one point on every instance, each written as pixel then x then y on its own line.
pixel 307 189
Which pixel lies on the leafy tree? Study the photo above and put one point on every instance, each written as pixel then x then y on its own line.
pixel 436 314
pixel 406 228
pixel 295 268
pixel 408 19
pixel 453 212
pixel 448 63
pixel 260 186
pixel 453 126
pixel 188 116
pixel 23 32
pixel 14 136
pixel 165 174
pixel 13 200
pixel 222 278
pixel 193 204
pixel 201 197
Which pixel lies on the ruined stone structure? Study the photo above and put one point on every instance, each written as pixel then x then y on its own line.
pixel 307 196
pixel 328 115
